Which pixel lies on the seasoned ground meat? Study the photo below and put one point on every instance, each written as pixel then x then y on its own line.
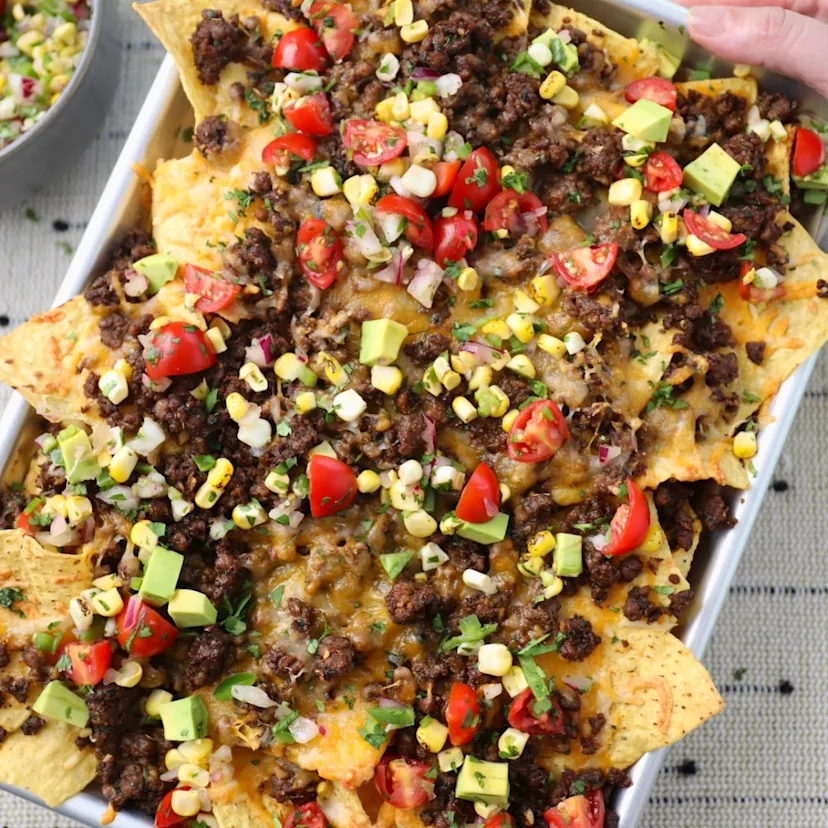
pixel 566 194
pixel 490 609
pixel 522 98
pixel 335 657
pixel 215 135
pixel 580 639
pixel 602 573
pixel 408 438
pixel 547 142
pixel 218 42
pixel 722 369
pixel 600 155
pixel 5 654
pixel 714 512
pixel 528 622
pixel 282 664
pixel 207 658
pixel 331 148
pixel 409 601
pixel 701 330
pixel 179 411
pixel 777 107
pixel 289 783
pixel 749 151
pixel 465 554
pixel 16 686
pixel 113 709
pixel 12 505
pixel 756 221
pixel 486 435
pixel 33 725
pixel 755 352
pixel 640 607
pixel 533 513
pixel 531 785
pixel 224 579
pixel 136 244
pixel 680 601
pixel 514 387
pixel 113 330
pixel 101 291
pixel 304 435
pixel 304 615
pixel 427 347
pixel 614 226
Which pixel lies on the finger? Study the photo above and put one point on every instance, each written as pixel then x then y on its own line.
pixel 810 8
pixel 778 39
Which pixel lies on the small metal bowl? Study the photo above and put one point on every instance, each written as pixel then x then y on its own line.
pixel 56 141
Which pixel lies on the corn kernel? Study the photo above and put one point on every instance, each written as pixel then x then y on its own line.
pixel 514 682
pixel 669 228
pixel 450 760
pixel 522 366
pixel 324 448
pixel 186 803
pixel 18 12
pixel 191 774
pixel 505 492
pixel 152 707
pixel 173 758
pixel 509 420
pixel 78 509
pixel 437 126
pixel 123 464
pixel 595 114
pixel 624 192
pixel 384 110
pixel 512 743
pixel 212 488
pixel 545 289
pixel 423 110
pixel 497 327
pixel 641 213
pixel 130 674
pixel 697 247
pixel 653 540
pixel 524 303
pixel 56 505
pixel 552 345
pixel 491 401
pixel 494 660
pixel 403 12
pixel 555 587
pixel 253 376
pixel 541 544
pixel 552 85
pixel 66 33
pixel 27 41
pixel 237 406
pixel 744 445
pixel 464 409
pixel 386 378
pixel 432 735
pixel 368 482
pixel 521 326
pixel 360 189
pixel 639 159
pixel 389 169
pixel 196 751
pixel 574 342
pixel 216 340
pixel 400 110
pixel 420 181
pixel 277 482
pixel 414 32
pixel 326 182
pixel 159 322
pixel 108 604
pixel 248 515
pixel 123 367
pixel 468 279
pixel 568 98
pixel 720 221
pixel 81 613
pixel 142 535
pixel 305 402
pixel 481 377
pixel 420 524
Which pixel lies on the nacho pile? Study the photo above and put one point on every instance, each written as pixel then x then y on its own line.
pixel 373 465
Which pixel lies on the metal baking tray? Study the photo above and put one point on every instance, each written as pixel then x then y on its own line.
pixel 154 137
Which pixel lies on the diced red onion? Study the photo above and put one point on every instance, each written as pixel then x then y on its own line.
pixel 121 497
pixel 69 537
pixel 390 704
pixel 109 678
pixel 167 776
pixel 368 243
pixel 23 88
pixel 398 187
pixel 704 210
pixel 430 434
pixel 426 281
pixel 392 226
pixel 252 695
pixel 393 271
pixel 491 507
pixel 579 683
pixel 302 83
pixel 565 36
pixel 87 530
pixel 149 437
pixel 492 691
pixel 323 731
pixel 58 526
pixel 303 730
pixel 42 439
pixel 599 541
pixel 80 10
pixel 260 351
pixel 607 453
pixel 136 284
pixel 111 627
pixel 424 73
pixel 159 385
pixel 483 352
pixel 8 50
pixel 448 85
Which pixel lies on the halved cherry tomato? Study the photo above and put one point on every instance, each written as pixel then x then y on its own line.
pixel 336 25
pixel 24 520
pixel 320 251
pixel 372 142
pixel 630 523
pixel 518 213
pixel 523 718
pixel 462 713
pixel 717 237
pixel 662 172
pixel 300 50
pixel 282 151
pixel 216 293
pixel 311 114
pixel 480 499
pixel 454 237
pixel 809 152
pixel 165 816
pixel 142 632
pixel 659 90
pixel 578 812
pixel 478 182
pixel 537 433
pixel 446 173
pixel 89 662
pixel 756 295
pixel 500 821
pixel 584 268
pixel 309 815
pixel 333 485
pixel 403 782
pixel 418 229
pixel 178 348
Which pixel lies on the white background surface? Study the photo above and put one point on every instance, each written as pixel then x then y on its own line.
pixel 764 762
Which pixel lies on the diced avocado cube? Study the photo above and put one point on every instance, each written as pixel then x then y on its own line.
pixel 185 719
pixel 668 63
pixel 58 702
pixel 158 268
pixel 712 174
pixel 161 576
pixel 646 120
pixel 189 608
pixel 381 341
pixel 567 558
pixel 481 781
pixel 76 450
pixel 395 562
pixel 564 55
pixel 815 181
pixel 492 531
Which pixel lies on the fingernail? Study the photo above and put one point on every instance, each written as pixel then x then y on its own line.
pixel 705 21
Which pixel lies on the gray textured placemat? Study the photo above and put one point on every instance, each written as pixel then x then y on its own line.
pixel 761 764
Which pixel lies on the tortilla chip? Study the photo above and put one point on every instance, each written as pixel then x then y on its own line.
pixel 239 815
pixel 746 88
pixel 49 764
pixel 343 807
pixel 13 713
pixel 391 817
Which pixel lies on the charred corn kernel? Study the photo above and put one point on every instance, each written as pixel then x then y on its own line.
pixel 360 189
pixel 494 659
pixel 248 515
pixel 420 524
pixel 468 279
pixel 78 509
pixel 545 289
pixel 574 342
pixel 186 803
pixel 481 377
pixel 552 345
pixel 108 604
pixel 324 448
pixel 464 409
pixel 18 12
pixel 553 587
pixel 216 340
pixel 123 464
pixel 744 445
pixel 624 192
pixel 553 83
pixel 368 482
pixel 386 378
pixel 441 366
pixel 511 743
pixel 653 539
pixel 305 402
pixel 253 376
pixel 568 98
pixel 159 322
pixel 152 707
pixel 497 327
pixel 123 367
pixel 66 34
pixel 326 182
pixel 384 110
pixel 451 379
pixel 509 419
pixel 191 774
pixel 113 385
pixel 129 674
pixel 403 12
pixel 414 32
pixel 217 479
pixel 277 482
pixel 432 734
pixel 27 41
pixel 420 181
pixel 196 751
pixel 391 168
pixel 237 405
pixel 697 247
pixel 594 113
pixel 172 758
pixel 450 760
pixel 524 303
pixel 400 110
pixel 423 110
pixel 641 213
pixel 514 682
pixel 669 228
pixel 541 544
pixel 522 365
pixel 81 613
pixel 521 326
pixel 720 221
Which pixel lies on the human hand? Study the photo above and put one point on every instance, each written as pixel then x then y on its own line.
pixel 787 36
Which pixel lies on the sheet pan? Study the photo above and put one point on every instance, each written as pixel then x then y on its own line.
pixel 154 137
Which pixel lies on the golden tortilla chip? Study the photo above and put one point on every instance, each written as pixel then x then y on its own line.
pixel 343 807
pixel 240 814
pixel 746 88
pixel 13 713
pixel 391 817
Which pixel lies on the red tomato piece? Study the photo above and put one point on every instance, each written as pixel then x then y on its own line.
pixel 24 521
pixel 142 632
pixel 537 433
pixel 478 182
pixel 311 114
pixel 300 50
pixel 584 268
pixel 454 237
pixel 372 142
pixel 333 485
pixel 662 172
pixel 336 25
pixel 630 523
pixel 518 213
pixel 89 662
pixel 309 815
pixel 216 293
pixel 756 295
pixel 659 90
pixel 578 812
pixel 523 718
pixel 809 152
pixel 717 237
pixel 403 782
pixel 480 499
pixel 176 349
pixel 462 713
pixel 320 251
pixel 500 821
pixel 165 816
pixel 418 229
pixel 282 151
pixel 446 173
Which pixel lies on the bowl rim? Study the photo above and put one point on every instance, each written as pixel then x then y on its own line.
pixel 77 78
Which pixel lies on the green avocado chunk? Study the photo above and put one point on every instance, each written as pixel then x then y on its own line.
pixel 76 450
pixel 189 608
pixel 158 268
pixel 184 719
pixel 492 531
pixel 481 781
pixel 815 181
pixel 381 340
pixel 567 557
pixel 161 576
pixel 712 174
pixel 646 120
pixel 58 702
